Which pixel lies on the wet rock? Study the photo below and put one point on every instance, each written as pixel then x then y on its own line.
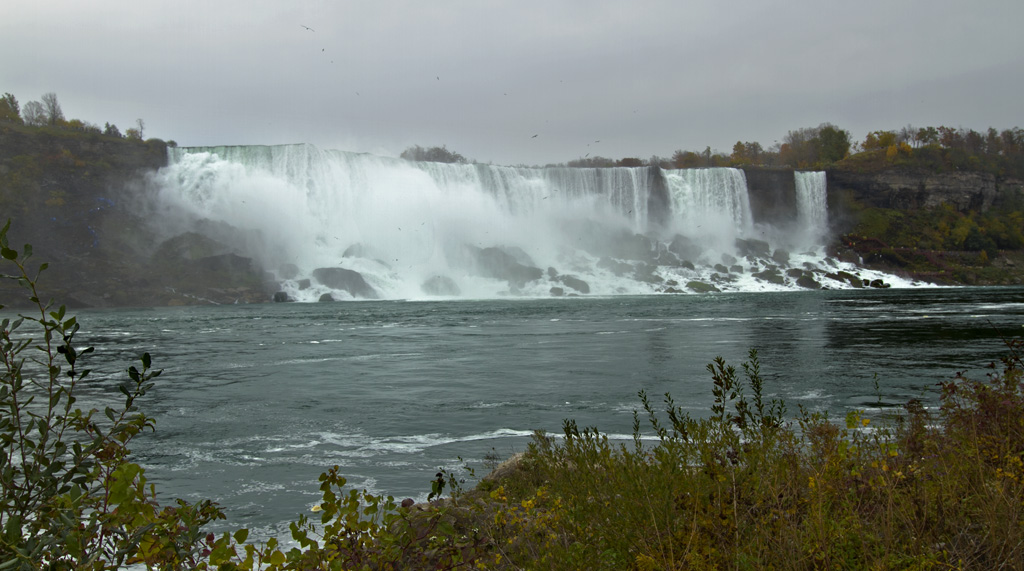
pixel 753 248
pixel 736 269
pixel 794 272
pixel 846 277
pixel 729 260
pixel 347 280
pixel 781 257
pixel 326 297
pixel 645 273
pixel 499 264
pixel 701 287
pixel 616 267
pixel 304 284
pixel 440 285
pixel 281 297
pixel 808 282
pixel 575 283
pixel 721 268
pixel 357 250
pixel 684 247
pixel 557 291
pixel 771 276
pixel 878 284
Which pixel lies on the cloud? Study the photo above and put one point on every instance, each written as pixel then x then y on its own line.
pixel 483 77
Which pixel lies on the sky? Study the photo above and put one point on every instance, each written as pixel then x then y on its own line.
pixel 521 81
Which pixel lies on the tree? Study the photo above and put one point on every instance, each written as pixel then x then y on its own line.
pixel 54 114
pixel 927 136
pixel 833 143
pixel 34 114
pixel 685 159
pixel 880 140
pixel 142 127
pixel 9 109
pixel 433 154
pixel 111 130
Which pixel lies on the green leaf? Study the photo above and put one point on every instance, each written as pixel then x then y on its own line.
pixel 8 253
pixel 241 535
pixel 146 361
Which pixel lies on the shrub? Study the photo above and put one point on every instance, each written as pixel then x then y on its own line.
pixel 70 497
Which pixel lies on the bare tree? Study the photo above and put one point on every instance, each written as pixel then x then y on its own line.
pixel 142 127
pixel 34 114
pixel 54 115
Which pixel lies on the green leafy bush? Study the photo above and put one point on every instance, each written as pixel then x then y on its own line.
pixel 69 496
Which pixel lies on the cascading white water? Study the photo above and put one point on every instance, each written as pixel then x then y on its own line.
pixel 811 207
pixel 486 230
pixel 710 202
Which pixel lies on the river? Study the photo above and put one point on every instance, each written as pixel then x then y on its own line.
pixel 257 400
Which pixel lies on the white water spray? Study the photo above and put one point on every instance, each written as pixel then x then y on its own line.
pixel 811 207
pixel 486 230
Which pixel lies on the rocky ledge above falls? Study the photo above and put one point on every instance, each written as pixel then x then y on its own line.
pixel 906 189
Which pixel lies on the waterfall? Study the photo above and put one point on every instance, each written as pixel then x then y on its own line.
pixel 480 230
pixel 711 201
pixel 811 206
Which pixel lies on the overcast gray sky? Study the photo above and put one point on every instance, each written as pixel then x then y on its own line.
pixel 482 77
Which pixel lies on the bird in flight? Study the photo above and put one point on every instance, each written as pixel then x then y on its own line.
pixel 534 137
pixel 308 28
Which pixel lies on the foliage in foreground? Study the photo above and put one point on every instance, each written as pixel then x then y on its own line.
pixel 743 488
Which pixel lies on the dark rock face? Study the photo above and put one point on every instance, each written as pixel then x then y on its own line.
pixel 557 291
pixel 326 297
pixel 781 257
pixel 658 201
pixel 281 297
pixel 348 280
pixel 908 190
pixel 440 285
pixel 772 194
pixel 229 263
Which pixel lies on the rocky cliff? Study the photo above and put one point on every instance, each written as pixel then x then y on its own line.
pixel 81 200
pixel 903 189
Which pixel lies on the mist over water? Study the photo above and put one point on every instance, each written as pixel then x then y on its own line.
pixel 420 229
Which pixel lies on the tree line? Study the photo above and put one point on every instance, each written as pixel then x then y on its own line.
pixel 47 112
